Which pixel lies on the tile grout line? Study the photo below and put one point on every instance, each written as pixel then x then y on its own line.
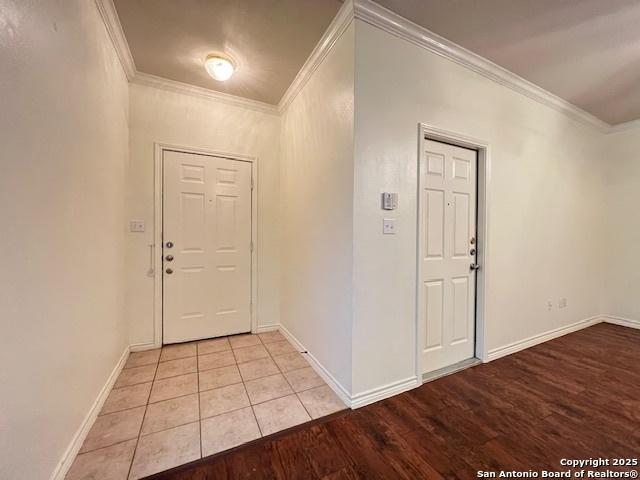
pixel 290 385
pixel 140 366
pixel 135 450
pixel 250 404
pixel 106 446
pixel 177 396
pixel 199 415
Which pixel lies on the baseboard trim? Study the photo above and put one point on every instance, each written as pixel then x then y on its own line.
pixel 330 380
pixel 267 328
pixel 356 401
pixel 141 347
pixel 623 322
pixel 76 442
pixel 385 391
pixel 514 347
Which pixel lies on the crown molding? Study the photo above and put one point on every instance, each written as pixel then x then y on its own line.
pixel 205 93
pixel 112 22
pixel 625 127
pixel 336 28
pixel 378 16
pixel 373 14
pixel 334 31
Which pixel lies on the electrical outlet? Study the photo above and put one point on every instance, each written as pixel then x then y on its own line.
pixel 562 303
pixel 136 226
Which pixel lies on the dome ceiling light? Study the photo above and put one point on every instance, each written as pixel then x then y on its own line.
pixel 219 68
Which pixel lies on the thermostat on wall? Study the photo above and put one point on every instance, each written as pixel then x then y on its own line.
pixel 389 201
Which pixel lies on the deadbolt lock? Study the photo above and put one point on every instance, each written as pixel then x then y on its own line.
pixel 169 271
pixel 471 252
pixel 472 241
pixel 169 258
pixel 169 244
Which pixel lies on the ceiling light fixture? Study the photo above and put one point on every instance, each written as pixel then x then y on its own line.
pixel 219 68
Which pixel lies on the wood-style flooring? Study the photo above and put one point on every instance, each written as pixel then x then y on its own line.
pixel 577 396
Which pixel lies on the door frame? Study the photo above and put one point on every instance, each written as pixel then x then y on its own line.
pixel 429 132
pixel 159 149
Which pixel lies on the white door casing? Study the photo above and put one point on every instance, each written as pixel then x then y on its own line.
pixel 207 219
pixel 448 206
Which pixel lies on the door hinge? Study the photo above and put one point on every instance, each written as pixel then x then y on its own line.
pixel 251 183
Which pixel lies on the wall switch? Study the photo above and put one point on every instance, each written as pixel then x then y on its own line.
pixel 136 226
pixel 389 226
pixel 549 305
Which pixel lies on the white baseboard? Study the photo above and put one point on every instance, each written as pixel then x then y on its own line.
pixel 542 337
pixel 355 401
pixel 72 450
pixel 267 328
pixel 624 322
pixel 330 380
pixel 141 347
pixel 385 391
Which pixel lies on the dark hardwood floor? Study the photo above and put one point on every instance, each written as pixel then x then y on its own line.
pixel 577 396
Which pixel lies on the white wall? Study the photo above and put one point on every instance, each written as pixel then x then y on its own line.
pixel 63 154
pixel 317 212
pixel 621 160
pixel 545 212
pixel 167 117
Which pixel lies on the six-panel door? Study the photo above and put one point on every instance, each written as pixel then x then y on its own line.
pixel 448 242
pixel 206 246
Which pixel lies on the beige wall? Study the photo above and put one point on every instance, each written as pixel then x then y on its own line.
pixel 545 215
pixel 64 153
pixel 167 117
pixel 317 212
pixel 77 141
pixel 621 161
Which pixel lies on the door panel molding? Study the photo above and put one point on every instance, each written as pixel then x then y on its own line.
pixel 430 166
pixel 156 267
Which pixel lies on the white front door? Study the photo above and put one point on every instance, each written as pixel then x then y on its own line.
pixel 448 254
pixel 206 246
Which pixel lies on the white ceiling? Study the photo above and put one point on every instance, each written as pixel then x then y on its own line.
pixel 584 51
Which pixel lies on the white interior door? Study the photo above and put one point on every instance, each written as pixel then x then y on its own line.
pixel 206 246
pixel 448 254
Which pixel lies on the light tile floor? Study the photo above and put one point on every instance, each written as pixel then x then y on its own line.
pixel 177 404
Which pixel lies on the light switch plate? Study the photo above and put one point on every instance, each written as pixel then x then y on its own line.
pixel 136 226
pixel 389 226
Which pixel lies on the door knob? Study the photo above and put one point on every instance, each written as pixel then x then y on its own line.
pixel 169 258
pixel 169 271
pixel 169 244
pixel 474 266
